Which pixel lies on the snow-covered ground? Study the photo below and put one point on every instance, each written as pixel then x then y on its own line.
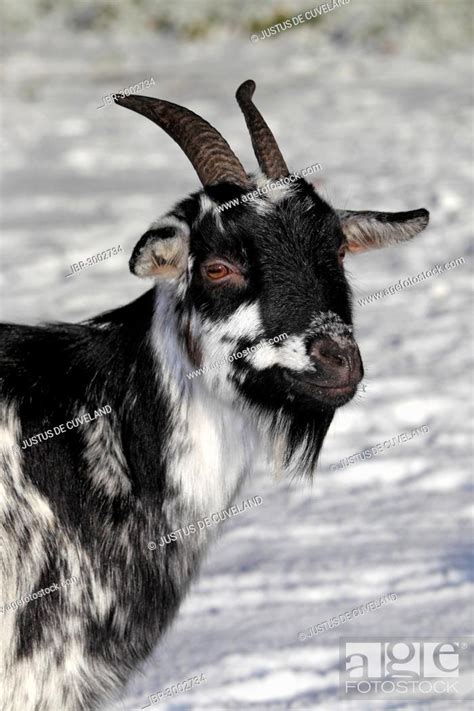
pixel 390 132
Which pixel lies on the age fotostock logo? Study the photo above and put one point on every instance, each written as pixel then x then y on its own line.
pixel 377 668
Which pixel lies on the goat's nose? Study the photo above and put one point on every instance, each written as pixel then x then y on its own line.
pixel 337 361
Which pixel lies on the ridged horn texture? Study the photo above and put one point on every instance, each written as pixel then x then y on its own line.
pixel 210 154
pixel 264 144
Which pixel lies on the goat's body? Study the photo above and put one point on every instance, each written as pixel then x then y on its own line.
pixel 149 450
pixel 87 502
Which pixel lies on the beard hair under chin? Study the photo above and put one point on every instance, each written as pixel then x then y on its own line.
pixel 292 441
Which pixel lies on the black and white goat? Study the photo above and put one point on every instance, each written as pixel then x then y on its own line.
pixel 86 501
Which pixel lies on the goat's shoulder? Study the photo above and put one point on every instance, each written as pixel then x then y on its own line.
pixel 73 353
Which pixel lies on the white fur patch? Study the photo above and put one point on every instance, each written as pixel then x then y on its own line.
pixel 209 453
pixel 107 468
pixel 263 207
pixel 289 354
pixel 292 353
pixel 210 449
pixel 274 190
pixel 172 360
pixel 245 322
pixel 206 205
pixel 218 341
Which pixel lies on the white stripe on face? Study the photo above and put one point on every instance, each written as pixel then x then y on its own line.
pixel 290 354
pixel 245 322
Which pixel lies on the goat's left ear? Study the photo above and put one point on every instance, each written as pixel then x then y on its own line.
pixel 162 252
pixel 365 229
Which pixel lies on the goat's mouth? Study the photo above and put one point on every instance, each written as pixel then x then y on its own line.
pixel 309 387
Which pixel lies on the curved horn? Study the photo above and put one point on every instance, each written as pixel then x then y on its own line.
pixel 211 156
pixel 264 144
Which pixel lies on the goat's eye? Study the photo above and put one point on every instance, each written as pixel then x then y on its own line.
pixel 220 272
pixel 341 254
pixel 217 271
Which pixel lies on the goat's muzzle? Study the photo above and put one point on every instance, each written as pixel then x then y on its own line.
pixel 337 371
pixel 337 367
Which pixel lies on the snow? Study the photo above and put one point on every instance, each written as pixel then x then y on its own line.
pixel 391 132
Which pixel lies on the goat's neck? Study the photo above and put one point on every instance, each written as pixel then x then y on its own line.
pixel 212 443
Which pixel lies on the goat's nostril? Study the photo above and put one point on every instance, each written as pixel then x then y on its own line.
pixel 336 360
pixel 332 355
pixel 328 353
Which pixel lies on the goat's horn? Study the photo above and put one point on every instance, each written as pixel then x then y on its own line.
pixel 264 144
pixel 210 154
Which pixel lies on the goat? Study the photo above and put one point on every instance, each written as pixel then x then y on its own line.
pixel 165 450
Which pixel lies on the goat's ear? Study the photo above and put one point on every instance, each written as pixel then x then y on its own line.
pixel 162 252
pixel 365 229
